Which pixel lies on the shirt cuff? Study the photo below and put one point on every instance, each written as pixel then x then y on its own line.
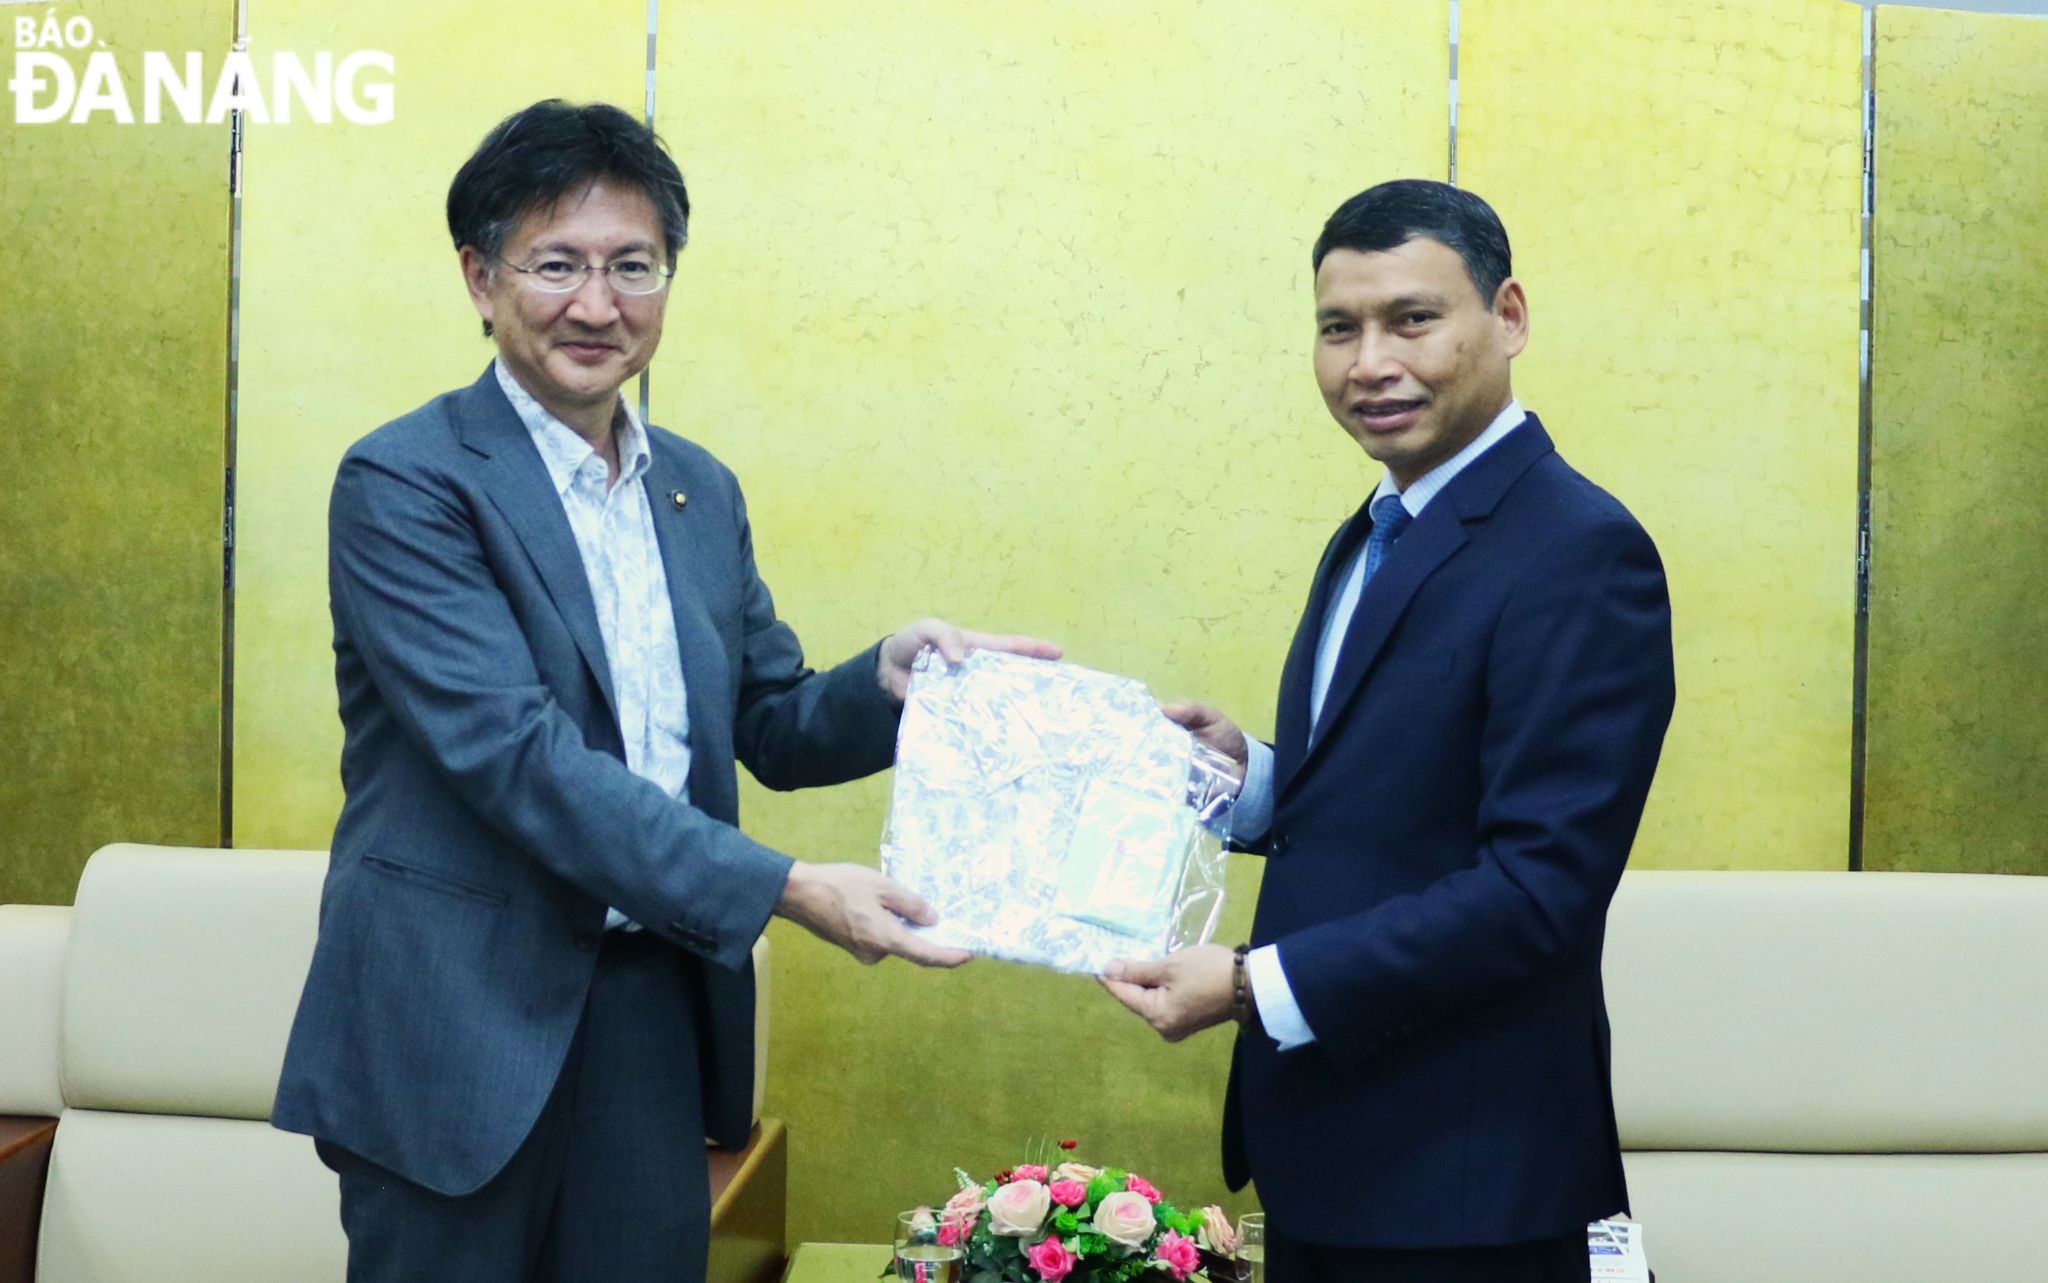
pixel 1278 1011
pixel 1252 813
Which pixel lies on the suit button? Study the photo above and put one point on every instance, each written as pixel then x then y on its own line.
pixel 586 941
pixel 692 938
pixel 1279 844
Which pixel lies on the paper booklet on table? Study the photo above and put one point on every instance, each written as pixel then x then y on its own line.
pixel 1615 1247
pixel 1052 815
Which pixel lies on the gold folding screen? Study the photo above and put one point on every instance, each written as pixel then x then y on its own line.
pixel 113 441
pixel 1005 313
pixel 353 312
pixel 1957 775
pixel 1681 186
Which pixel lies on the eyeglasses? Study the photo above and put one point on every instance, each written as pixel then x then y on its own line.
pixel 627 275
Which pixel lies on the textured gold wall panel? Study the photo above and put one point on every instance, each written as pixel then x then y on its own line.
pixel 113 431
pixel 1957 765
pixel 1004 313
pixel 1681 185
pixel 353 312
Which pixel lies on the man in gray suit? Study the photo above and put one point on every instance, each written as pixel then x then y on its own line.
pixel 531 997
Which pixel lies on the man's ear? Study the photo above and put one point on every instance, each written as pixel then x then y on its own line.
pixel 477 273
pixel 1511 310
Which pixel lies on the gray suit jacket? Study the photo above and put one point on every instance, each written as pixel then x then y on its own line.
pixel 490 818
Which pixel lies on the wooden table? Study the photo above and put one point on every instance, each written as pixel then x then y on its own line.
pixel 750 1208
pixel 24 1161
pixel 838 1263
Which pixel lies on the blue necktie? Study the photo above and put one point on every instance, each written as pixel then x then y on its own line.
pixel 1389 519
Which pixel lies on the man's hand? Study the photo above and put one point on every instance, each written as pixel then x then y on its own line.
pixel 863 912
pixel 1211 727
pixel 1185 993
pixel 900 651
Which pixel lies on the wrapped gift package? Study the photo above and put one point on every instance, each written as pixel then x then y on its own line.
pixel 1053 815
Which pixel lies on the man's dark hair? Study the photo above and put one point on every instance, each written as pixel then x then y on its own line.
pixel 535 157
pixel 1392 214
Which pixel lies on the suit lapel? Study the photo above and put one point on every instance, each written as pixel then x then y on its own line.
pixel 1290 720
pixel 679 530
pixel 524 493
pixel 1435 537
pixel 1427 544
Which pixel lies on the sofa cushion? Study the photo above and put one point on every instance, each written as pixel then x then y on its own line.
pixel 1841 1218
pixel 138 1198
pixel 184 972
pixel 32 940
pixel 1829 1012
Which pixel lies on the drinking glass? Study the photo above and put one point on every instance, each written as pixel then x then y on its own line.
pixel 920 1257
pixel 1251 1236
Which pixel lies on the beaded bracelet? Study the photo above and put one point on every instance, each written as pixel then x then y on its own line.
pixel 1241 1008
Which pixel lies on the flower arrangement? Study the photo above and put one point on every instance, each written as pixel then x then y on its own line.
pixel 1069 1222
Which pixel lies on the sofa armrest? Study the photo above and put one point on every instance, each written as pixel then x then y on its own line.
pixel 34 939
pixel 24 1167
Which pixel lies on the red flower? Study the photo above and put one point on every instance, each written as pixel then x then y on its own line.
pixel 1069 1144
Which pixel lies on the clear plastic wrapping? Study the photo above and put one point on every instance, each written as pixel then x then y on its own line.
pixel 1052 815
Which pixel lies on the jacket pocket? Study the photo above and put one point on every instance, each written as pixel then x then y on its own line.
pixel 433 881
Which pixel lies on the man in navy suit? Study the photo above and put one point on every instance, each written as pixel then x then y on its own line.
pixel 531 997
pixel 1469 721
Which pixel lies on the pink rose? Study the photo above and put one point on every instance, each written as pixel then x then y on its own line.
pixel 1052 1259
pixel 1139 1185
pixel 1081 1172
pixel 959 1214
pixel 1069 1193
pixel 1017 1209
pixel 1177 1252
pixel 1124 1218
pixel 1216 1232
pixel 1028 1172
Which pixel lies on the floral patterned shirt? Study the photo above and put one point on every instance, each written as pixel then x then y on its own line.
pixel 614 529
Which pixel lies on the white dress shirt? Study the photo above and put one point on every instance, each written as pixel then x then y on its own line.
pixel 614 529
pixel 1252 814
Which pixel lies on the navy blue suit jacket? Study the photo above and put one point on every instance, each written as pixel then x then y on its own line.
pixel 1441 859
pixel 490 818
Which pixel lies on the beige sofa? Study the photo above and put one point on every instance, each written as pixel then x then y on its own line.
pixel 1833 1077
pixel 150 1020
pixel 1821 1077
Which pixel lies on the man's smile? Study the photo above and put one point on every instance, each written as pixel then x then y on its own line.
pixel 587 351
pixel 1385 414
